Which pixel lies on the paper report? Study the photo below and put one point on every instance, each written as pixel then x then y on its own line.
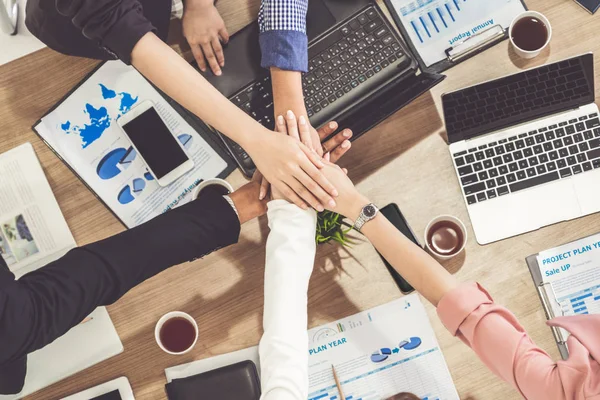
pixel 83 130
pixel 437 25
pixel 573 271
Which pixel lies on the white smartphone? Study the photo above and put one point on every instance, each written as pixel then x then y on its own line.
pixel 164 156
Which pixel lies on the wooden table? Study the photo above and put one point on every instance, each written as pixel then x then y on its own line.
pixel 403 160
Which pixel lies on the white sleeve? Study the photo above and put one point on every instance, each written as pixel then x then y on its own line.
pixel 290 259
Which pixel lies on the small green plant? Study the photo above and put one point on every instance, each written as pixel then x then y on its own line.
pixel 331 226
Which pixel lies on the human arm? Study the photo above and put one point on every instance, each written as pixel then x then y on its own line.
pixel 284 162
pixel 45 304
pixel 284 51
pixel 469 312
pixel 283 348
pixel 120 27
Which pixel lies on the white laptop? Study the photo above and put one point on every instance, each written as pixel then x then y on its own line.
pixel 526 148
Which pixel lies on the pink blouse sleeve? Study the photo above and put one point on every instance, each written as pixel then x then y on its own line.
pixel 504 347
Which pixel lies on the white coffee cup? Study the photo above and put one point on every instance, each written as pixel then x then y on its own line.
pixel 530 14
pixel 167 317
pixel 9 12
pixel 462 232
pixel 209 182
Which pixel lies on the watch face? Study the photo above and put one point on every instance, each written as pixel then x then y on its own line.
pixel 369 211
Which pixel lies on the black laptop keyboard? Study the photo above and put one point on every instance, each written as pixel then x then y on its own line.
pixel 364 49
pixel 344 59
pixel 524 93
pixel 529 159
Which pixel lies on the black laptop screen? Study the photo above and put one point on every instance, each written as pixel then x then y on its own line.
pixel 519 98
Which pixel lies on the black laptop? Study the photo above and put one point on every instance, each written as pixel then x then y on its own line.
pixel 360 71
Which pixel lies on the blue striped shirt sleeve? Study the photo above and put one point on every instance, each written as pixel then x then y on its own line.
pixel 283 40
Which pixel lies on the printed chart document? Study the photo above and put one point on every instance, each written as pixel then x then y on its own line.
pixel 437 25
pixel 573 274
pixel 377 353
pixel 33 233
pixel 83 130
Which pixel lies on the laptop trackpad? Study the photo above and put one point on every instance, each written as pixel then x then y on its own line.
pixel 319 19
pixel 587 188
pixel 524 211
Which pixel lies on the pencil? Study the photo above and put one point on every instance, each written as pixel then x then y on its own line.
pixel 337 383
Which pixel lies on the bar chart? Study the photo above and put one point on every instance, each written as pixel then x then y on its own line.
pixel 435 26
pixel 430 17
pixel 586 301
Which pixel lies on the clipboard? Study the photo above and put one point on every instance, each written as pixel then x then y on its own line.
pixel 458 51
pixel 206 132
pixel 551 306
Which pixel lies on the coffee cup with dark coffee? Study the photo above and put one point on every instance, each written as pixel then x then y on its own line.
pixel 445 237
pixel 530 32
pixel 176 333
pixel 217 185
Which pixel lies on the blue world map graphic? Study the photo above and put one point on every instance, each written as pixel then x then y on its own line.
pixel 99 118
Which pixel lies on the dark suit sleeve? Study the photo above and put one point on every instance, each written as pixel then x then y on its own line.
pixel 116 25
pixel 45 304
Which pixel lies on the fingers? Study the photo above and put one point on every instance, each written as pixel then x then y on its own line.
pixel 292 125
pixel 309 194
pixel 224 35
pixel 311 191
pixel 199 56
pixel 216 45
pixel 339 151
pixel 264 188
pixel 304 129
pixel 211 58
pixel 327 130
pixel 280 125
pixel 335 143
pixel 317 176
pixel 313 157
pixel 291 195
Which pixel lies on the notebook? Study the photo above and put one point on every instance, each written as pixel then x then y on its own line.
pixel 33 233
pixel 82 131
pixel 567 278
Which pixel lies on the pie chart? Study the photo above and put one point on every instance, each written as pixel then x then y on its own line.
pixel 381 355
pixel 114 162
pixel 410 344
pixel 125 196
pixel 186 140
pixel 138 185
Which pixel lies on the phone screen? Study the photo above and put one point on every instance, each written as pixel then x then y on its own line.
pixel 590 5
pixel 393 214
pixel 155 142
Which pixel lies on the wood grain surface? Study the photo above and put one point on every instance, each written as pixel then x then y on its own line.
pixel 403 160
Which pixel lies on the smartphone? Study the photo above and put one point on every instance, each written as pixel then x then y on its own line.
pixel 393 214
pixel 590 5
pixel 150 136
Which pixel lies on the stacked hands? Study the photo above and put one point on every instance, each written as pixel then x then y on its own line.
pixel 295 164
pixel 320 193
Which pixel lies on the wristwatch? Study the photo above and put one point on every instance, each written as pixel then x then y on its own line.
pixel 367 213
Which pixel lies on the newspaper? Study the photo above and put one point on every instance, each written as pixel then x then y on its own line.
pixel 33 231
